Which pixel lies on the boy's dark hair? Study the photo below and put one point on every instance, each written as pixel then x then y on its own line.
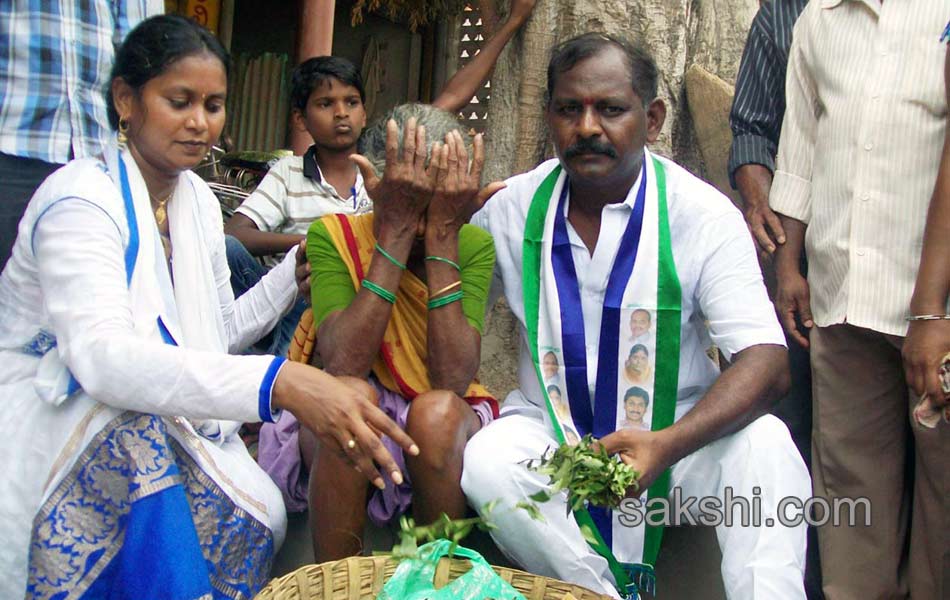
pixel 637 392
pixel 643 70
pixel 311 73
pixel 152 46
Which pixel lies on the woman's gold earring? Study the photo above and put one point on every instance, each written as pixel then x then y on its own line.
pixel 123 130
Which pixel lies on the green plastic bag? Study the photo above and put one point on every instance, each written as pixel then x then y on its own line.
pixel 413 579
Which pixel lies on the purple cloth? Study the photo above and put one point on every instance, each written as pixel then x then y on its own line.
pixel 279 455
pixel 386 505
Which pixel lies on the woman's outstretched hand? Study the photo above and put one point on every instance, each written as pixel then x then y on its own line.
pixel 344 417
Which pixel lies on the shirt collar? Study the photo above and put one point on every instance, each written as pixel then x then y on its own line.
pixel 874 5
pixel 310 168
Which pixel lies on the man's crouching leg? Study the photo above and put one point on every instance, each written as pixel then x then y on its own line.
pixel 753 473
pixel 493 470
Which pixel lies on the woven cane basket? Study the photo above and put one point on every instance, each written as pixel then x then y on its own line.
pixel 362 578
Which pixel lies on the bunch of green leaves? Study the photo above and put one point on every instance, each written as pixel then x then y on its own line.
pixel 454 530
pixel 586 472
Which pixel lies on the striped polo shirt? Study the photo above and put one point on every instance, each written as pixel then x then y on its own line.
pixel 294 194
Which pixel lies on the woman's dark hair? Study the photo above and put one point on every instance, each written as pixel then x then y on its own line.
pixel 155 44
pixel 309 74
pixel 638 348
pixel 643 70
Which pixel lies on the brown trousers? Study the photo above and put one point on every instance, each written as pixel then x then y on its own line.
pixel 865 444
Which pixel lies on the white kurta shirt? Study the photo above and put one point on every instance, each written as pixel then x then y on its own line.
pixel 860 147
pixel 715 261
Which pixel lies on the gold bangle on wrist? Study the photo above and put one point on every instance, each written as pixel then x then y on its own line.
pixel 446 288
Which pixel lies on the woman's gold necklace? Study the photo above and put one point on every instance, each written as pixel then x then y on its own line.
pixel 161 215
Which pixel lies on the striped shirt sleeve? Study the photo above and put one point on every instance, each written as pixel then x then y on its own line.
pixel 267 205
pixel 791 189
pixel 758 105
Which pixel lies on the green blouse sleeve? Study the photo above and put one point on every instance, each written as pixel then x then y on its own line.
pixel 331 288
pixel 477 259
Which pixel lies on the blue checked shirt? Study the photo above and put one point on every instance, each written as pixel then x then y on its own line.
pixel 55 60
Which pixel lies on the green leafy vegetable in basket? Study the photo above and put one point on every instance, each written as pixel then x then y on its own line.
pixel 586 472
pixel 444 528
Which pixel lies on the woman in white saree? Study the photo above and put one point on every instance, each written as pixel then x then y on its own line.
pixel 124 476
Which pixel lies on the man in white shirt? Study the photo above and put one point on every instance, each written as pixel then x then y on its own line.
pixel 865 122
pixel 605 229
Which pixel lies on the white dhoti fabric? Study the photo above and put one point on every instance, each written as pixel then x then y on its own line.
pixel 757 562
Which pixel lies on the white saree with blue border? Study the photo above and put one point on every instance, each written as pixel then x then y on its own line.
pixel 119 503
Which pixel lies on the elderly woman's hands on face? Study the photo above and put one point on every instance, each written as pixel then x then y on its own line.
pixel 457 195
pixel 401 196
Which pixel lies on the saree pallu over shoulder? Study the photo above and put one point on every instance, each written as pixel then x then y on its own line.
pixel 137 517
pixel 111 502
pixel 400 365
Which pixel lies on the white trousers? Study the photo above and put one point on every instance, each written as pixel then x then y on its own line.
pixel 757 562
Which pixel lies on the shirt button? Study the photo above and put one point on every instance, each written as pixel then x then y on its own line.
pixel 860 252
pixel 866 197
pixel 869 146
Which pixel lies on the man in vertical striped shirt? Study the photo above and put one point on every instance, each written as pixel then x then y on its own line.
pixel 756 120
pixel 865 123
pixel 55 59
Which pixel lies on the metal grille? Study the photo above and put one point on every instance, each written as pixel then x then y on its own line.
pixel 475 114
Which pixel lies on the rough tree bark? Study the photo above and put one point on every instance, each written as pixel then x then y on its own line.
pixel 681 33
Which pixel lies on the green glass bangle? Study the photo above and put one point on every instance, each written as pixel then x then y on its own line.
pixel 446 261
pixel 445 300
pixel 389 257
pixel 379 291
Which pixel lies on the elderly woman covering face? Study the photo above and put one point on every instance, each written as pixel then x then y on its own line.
pixel 399 300
pixel 122 465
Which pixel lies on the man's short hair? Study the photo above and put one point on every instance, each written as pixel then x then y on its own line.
pixel 643 71
pixel 438 122
pixel 313 72
pixel 637 392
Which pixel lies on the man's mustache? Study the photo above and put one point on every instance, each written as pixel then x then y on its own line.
pixel 590 146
